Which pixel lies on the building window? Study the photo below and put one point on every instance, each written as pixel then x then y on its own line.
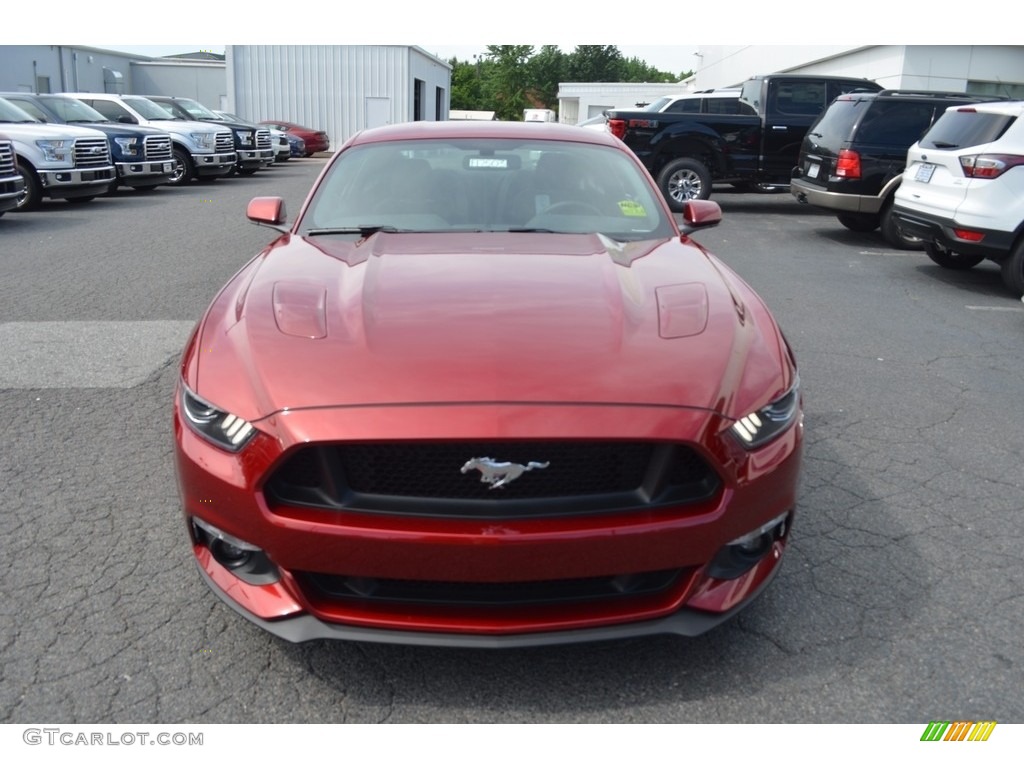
pixel 438 103
pixel 417 99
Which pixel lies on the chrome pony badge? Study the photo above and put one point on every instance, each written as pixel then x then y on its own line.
pixel 498 474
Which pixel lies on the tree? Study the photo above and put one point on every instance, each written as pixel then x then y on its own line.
pixel 509 79
pixel 547 70
pixel 596 64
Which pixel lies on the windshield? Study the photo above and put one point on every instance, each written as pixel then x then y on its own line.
pixel 12 114
pixel 196 110
pixel 655 106
pixel 491 185
pixel 72 110
pixel 150 110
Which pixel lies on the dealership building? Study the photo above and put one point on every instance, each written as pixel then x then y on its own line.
pixel 345 88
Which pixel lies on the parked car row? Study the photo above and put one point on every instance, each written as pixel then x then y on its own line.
pixel 932 170
pixel 76 146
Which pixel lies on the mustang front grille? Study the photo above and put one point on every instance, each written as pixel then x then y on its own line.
pixel 492 479
pixel 503 594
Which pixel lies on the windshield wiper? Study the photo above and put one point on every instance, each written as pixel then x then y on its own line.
pixel 534 229
pixel 365 230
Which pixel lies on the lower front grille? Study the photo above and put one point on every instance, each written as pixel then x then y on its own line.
pixel 321 586
pixel 447 478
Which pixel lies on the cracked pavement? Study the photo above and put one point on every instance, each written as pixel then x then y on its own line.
pixel 901 599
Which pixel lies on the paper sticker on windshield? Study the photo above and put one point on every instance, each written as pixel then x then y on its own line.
pixel 631 208
pixel 488 162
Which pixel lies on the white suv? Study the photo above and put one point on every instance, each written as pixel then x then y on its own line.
pixel 962 191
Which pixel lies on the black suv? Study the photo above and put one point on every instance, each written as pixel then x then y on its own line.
pixel 852 157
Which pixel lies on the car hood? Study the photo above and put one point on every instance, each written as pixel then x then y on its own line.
pixel 514 318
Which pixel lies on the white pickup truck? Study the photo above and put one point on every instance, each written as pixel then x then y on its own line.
pixel 61 162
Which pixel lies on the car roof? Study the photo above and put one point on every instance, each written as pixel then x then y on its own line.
pixel 470 129
pixel 997 107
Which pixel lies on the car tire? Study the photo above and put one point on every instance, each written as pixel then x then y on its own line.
pixel 184 169
pixel 858 222
pixel 1012 268
pixel 32 194
pixel 79 200
pixel 892 234
pixel 683 180
pixel 951 259
pixel 308 154
pixel 247 171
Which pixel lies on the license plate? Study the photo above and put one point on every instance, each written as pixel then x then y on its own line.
pixel 924 172
pixel 812 170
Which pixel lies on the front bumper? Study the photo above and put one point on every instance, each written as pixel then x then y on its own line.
pixel 76 182
pixel 145 172
pixel 214 163
pixel 255 158
pixel 10 190
pixel 228 491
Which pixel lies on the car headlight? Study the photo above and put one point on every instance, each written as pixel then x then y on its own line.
pixel 205 140
pixel 130 145
pixel 55 150
pixel 244 137
pixel 215 424
pixel 757 428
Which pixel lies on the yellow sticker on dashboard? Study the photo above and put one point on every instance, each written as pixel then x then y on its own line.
pixel 631 208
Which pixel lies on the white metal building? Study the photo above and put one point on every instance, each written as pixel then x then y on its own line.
pixel 979 69
pixel 340 89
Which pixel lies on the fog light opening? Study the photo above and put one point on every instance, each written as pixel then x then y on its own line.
pixel 246 561
pixel 740 555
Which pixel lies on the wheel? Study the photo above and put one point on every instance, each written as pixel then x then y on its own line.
pixel 950 259
pixel 858 222
pixel 684 179
pixel 572 206
pixel 183 170
pixel 308 154
pixel 247 171
pixel 1012 268
pixel 32 195
pixel 892 235
pixel 78 200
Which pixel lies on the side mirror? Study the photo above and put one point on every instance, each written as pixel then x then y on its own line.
pixel 267 211
pixel 127 119
pixel 700 214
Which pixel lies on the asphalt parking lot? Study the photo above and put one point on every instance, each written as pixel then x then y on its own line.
pixel 901 599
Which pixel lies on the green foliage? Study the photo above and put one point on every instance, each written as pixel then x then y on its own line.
pixel 507 79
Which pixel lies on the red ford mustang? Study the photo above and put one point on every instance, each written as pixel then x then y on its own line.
pixel 315 141
pixel 483 392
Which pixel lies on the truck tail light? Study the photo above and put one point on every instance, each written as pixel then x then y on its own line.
pixel 848 164
pixel 988 166
pixel 617 128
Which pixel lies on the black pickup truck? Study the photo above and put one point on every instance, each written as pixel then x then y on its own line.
pixel 687 153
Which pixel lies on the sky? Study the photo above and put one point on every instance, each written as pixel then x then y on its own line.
pixel 667 58
pixel 663 33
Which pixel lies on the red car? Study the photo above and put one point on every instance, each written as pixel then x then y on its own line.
pixel 484 392
pixel 316 141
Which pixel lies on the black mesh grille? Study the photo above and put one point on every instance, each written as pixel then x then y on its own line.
pixel 442 478
pixel 331 587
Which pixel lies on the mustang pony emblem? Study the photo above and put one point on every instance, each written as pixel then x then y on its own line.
pixel 500 473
